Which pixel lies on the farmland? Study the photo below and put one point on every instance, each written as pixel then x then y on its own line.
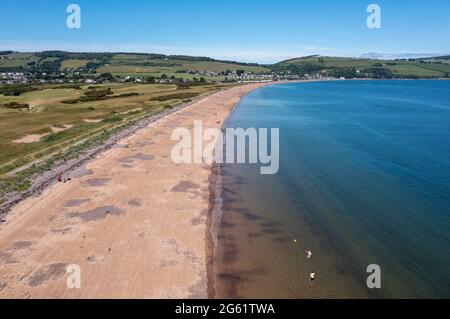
pixel 123 64
pixel 420 68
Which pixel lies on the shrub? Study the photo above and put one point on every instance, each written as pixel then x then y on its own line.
pixel 16 106
pixel 52 137
pixel 17 89
pixel 177 96
pixel 113 119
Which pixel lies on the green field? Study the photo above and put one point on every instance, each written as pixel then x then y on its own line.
pixel 415 68
pixel 17 60
pixel 141 65
pixel 407 69
pixel 73 64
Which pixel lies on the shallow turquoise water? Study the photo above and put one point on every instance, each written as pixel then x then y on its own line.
pixel 364 179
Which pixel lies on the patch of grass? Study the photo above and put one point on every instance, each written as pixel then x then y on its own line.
pixel 176 96
pixel 53 137
pixel 113 119
pixel 73 64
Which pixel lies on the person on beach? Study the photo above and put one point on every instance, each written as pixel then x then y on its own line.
pixel 308 254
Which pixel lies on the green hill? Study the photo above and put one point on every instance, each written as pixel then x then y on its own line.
pixel 125 64
pixel 417 68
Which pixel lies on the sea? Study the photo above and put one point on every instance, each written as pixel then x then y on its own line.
pixel 363 183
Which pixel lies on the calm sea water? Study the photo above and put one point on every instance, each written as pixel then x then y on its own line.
pixel 364 179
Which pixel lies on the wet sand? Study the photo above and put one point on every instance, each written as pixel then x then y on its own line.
pixel 135 222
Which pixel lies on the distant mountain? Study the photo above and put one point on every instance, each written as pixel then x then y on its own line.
pixel 437 58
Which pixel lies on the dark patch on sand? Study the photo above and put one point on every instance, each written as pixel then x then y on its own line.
pixel 3 286
pixel 97 182
pixel 197 221
pixel 121 146
pixel 7 258
pixel 126 160
pixel 22 244
pixel 185 187
pixel 80 172
pixel 191 257
pixel 198 290
pixel 175 245
pixel 137 157
pixel 144 157
pixel 99 213
pixel 76 202
pixel 46 273
pixel 95 259
pixel 144 144
pixel 168 263
pixel 134 202
pixel 62 231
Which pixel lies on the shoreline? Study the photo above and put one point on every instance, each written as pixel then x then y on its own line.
pixel 214 180
pixel 151 206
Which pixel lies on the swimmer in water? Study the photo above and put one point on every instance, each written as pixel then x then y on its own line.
pixel 312 277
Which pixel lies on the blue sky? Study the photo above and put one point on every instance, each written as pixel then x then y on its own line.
pixel 246 30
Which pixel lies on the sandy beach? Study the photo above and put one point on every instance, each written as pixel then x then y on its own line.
pixel 133 221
